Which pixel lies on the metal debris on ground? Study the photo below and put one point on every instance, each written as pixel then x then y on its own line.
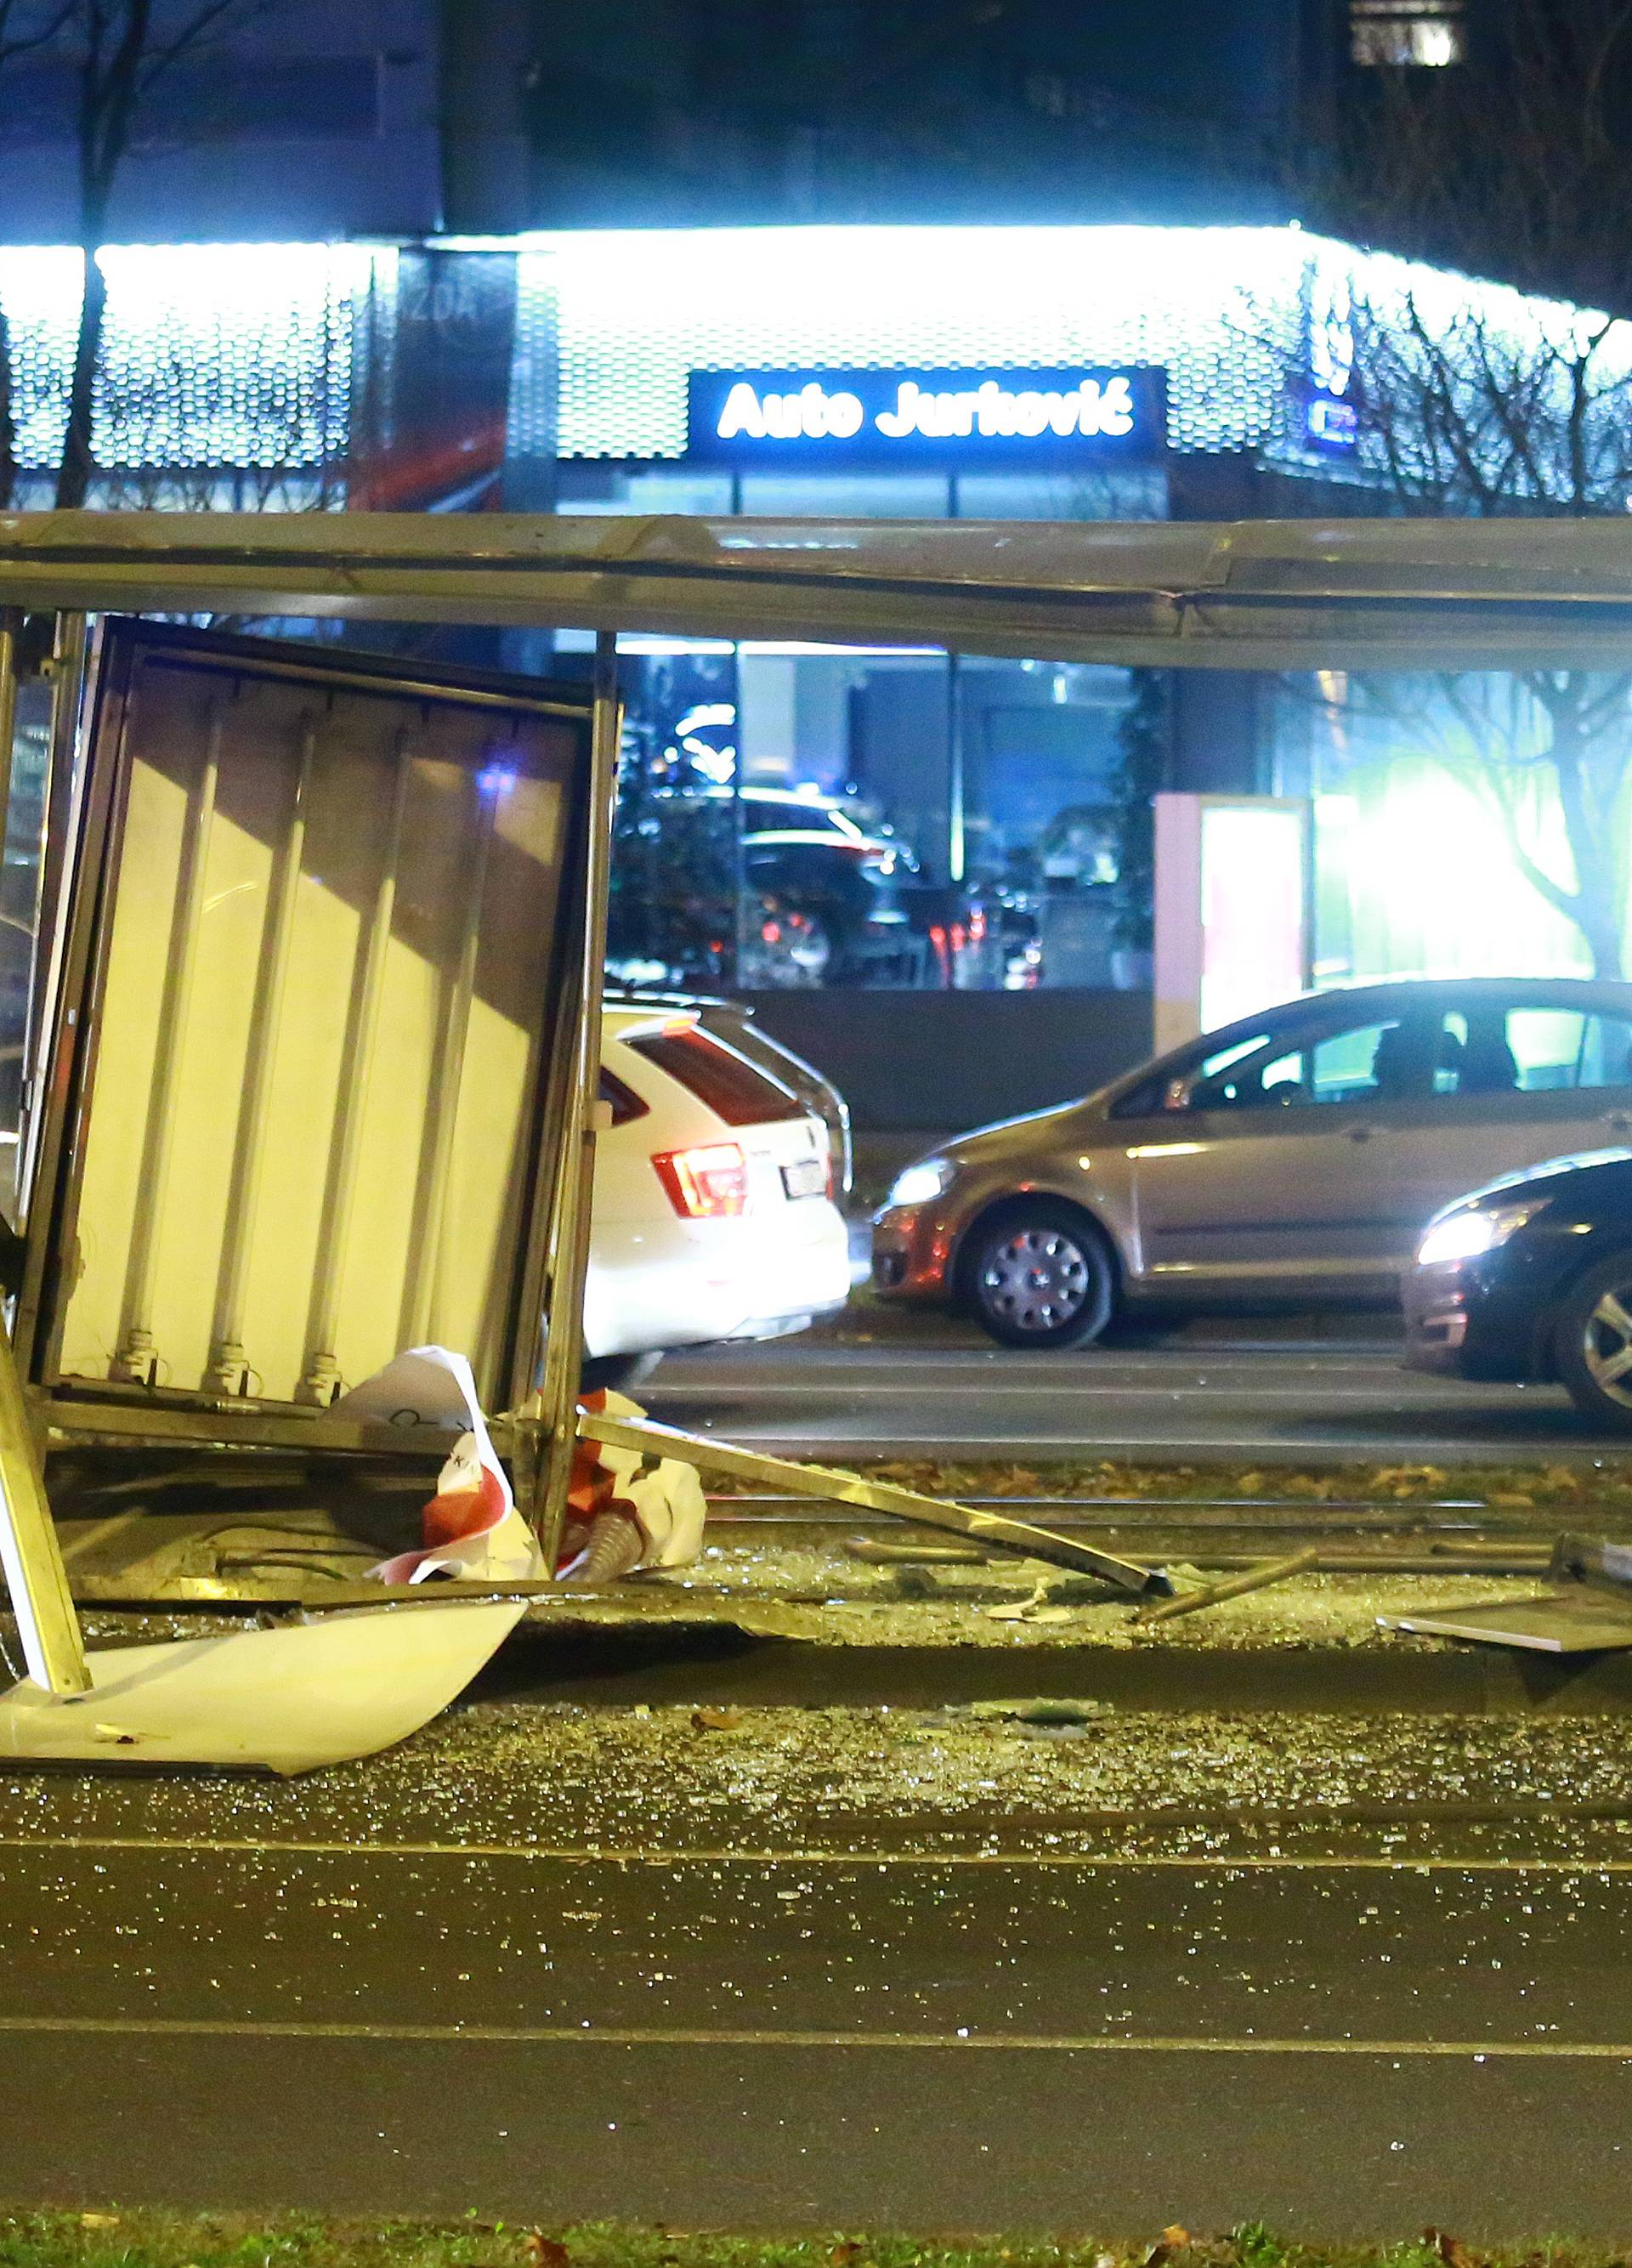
pixel 876 1554
pixel 1591 1613
pixel 1234 1587
pixel 1592 1559
pixel 1556 1623
pixel 992 1528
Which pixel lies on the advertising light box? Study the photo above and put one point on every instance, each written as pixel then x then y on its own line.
pixel 951 419
pixel 1233 887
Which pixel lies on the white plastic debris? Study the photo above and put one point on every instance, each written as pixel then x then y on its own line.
pixel 336 1686
pixel 472 1527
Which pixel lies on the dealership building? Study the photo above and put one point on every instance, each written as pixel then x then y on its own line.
pixel 993 374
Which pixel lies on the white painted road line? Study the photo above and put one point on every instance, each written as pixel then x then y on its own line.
pixel 1182 1390
pixel 587 2034
pixel 864 1861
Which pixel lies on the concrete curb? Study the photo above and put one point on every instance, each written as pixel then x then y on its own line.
pixel 717 1662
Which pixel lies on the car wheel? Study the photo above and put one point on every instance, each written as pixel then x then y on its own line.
pixel 622 1373
pixel 1593 1343
pixel 1039 1275
pixel 793 948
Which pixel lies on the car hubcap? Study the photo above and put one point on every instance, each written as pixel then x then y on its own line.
pixel 809 947
pixel 1608 1347
pixel 1037 1280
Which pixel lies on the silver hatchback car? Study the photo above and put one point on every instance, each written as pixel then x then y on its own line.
pixel 1295 1155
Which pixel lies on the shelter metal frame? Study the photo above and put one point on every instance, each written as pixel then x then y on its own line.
pixel 1350 594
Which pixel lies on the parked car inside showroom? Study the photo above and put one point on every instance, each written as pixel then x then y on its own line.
pixel 1295 1155
pixel 811 894
pixel 1531 1278
pixel 713 1214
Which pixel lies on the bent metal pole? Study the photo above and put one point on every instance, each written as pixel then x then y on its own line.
pixel 650 1439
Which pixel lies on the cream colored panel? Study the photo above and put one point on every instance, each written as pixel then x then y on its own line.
pixel 457 807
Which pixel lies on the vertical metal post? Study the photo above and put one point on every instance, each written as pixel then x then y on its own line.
pixel 229 1364
pixel 570 1227
pixel 34 1574
pixel 425 1300
pixel 69 658
pixel 321 1378
pixel 11 631
pixel 956 842
pixel 740 923
pixel 137 1356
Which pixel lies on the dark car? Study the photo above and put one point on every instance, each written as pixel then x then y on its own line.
pixel 1530 1278
pixel 827 899
pixel 823 900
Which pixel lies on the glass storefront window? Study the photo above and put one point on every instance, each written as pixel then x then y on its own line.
pixel 796 816
pixel 800 816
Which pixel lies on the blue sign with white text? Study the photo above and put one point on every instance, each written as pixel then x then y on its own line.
pixel 954 420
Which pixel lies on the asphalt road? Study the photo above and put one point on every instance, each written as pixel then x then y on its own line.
pixel 269 2009
pixel 1203 1393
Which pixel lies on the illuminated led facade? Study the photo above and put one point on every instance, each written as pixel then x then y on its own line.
pixel 913 372
pixel 230 357
pixel 260 355
pixel 634 313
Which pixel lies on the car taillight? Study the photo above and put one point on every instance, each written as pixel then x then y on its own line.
pixel 705 1185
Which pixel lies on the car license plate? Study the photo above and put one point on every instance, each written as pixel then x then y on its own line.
pixel 807 1179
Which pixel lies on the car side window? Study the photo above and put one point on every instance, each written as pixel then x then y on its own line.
pixel 1543 1050
pixel 1410 1058
pixel 1178 1087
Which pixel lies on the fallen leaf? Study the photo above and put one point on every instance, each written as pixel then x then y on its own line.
pixel 98 2220
pixel 703 1720
pixel 546 2251
pixel 1451 2249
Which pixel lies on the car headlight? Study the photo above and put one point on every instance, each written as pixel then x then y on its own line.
pixel 920 1183
pixel 1464 1235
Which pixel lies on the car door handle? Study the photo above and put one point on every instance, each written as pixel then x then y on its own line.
pixel 1359 1133
pixel 1618 1122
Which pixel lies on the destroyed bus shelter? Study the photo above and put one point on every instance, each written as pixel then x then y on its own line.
pixel 363 1118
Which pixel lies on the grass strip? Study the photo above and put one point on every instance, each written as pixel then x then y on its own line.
pixel 116 2238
